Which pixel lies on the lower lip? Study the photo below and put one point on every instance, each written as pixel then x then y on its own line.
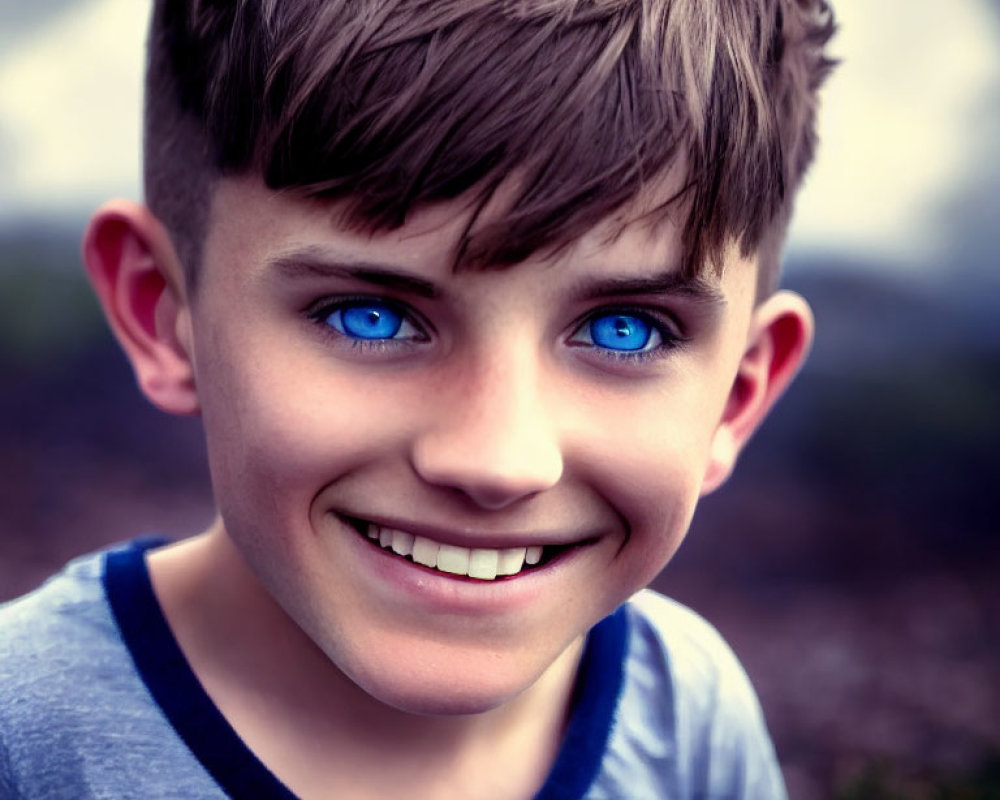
pixel 456 593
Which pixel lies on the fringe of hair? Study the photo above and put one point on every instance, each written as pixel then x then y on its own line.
pixel 582 104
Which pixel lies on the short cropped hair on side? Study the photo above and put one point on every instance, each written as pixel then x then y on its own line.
pixel 389 104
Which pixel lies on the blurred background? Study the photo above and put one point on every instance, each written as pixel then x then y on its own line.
pixel 852 562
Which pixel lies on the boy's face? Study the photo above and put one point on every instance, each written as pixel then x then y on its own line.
pixel 353 383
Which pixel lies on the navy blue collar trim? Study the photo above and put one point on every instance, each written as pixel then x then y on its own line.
pixel 598 686
pixel 173 684
pixel 215 744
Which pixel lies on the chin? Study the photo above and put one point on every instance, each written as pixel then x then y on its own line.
pixel 440 693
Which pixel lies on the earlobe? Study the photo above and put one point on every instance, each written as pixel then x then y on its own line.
pixel 139 283
pixel 778 343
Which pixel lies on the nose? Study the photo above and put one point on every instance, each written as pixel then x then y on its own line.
pixel 491 436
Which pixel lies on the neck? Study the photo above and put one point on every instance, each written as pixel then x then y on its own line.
pixel 305 719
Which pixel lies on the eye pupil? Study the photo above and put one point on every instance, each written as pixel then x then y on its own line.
pixel 621 332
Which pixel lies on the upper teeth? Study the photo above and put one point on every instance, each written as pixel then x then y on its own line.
pixel 485 563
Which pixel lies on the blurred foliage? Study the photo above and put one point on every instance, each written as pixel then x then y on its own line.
pixel 880 781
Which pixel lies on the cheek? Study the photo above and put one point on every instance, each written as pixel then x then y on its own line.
pixel 282 425
pixel 660 485
pixel 648 460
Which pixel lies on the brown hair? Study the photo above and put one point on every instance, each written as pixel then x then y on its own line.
pixel 388 104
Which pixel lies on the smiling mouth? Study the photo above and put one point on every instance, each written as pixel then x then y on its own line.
pixel 479 563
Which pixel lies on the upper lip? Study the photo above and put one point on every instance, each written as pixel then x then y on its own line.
pixel 469 537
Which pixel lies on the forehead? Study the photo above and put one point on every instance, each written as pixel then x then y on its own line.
pixel 254 229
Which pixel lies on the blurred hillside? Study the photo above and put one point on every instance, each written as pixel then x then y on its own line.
pixel 851 561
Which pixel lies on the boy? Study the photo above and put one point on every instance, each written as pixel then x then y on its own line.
pixel 475 299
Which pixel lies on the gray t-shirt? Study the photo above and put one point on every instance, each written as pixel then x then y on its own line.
pixel 96 701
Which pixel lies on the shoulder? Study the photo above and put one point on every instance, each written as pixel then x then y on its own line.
pixel 689 720
pixel 56 643
pixel 690 651
pixel 76 720
pixel 41 631
pixel 66 623
pixel 52 641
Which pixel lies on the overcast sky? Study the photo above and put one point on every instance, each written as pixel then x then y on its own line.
pixel 904 127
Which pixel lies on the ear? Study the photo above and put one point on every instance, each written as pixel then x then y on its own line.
pixel 139 281
pixel 781 332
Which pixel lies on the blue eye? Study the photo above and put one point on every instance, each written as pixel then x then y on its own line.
pixel 369 320
pixel 627 336
pixel 623 332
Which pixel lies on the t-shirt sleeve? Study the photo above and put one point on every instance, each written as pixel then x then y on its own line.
pixel 6 777
pixel 722 749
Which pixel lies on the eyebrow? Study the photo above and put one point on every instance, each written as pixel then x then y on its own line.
pixel 317 262
pixel 311 262
pixel 671 282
